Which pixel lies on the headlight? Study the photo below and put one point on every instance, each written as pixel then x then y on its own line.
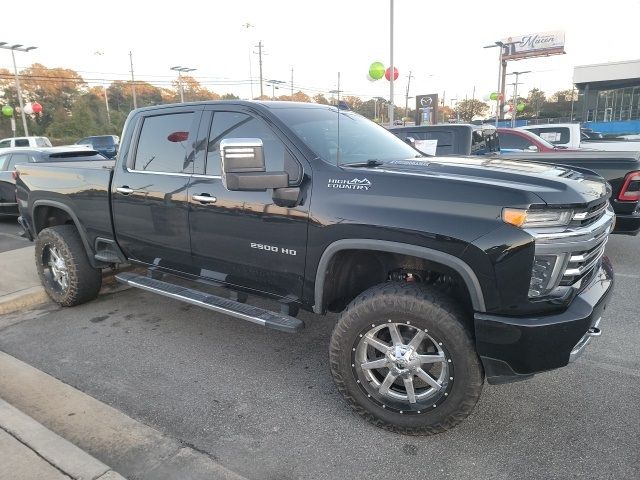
pixel 536 218
pixel 545 273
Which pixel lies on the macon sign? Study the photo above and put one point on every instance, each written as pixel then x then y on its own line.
pixel 533 45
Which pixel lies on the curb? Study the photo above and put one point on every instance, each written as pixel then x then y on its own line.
pixel 60 453
pixel 133 448
pixel 32 296
pixel 22 299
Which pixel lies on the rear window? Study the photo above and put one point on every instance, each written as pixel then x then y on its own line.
pixel 101 142
pixel 554 135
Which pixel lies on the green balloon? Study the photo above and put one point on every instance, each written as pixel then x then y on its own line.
pixel 7 111
pixel 376 70
pixel 493 96
pixel 520 107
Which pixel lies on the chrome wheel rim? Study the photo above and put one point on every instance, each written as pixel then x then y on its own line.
pixel 402 367
pixel 57 268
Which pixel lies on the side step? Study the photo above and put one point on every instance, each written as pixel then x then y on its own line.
pixel 258 315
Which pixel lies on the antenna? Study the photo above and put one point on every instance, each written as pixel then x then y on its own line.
pixel 338 111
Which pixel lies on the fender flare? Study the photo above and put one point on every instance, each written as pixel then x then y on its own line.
pixel 65 208
pixel 462 268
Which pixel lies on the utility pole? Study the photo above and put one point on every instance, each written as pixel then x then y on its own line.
pixel 247 26
pixel 106 95
pixel 406 97
pixel 260 63
pixel 181 70
pixel 133 82
pixel 515 96
pixel 291 83
pixel 391 68
pixel 20 48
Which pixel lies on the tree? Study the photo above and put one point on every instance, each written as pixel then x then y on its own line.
pixel 320 98
pixel 564 96
pixel 355 103
pixel 468 109
pixel 535 101
pixel 301 97
pixel 229 96
pixel 194 91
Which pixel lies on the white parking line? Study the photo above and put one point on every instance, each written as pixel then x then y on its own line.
pixel 626 275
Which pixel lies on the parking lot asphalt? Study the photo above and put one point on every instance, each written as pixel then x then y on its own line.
pixel 9 235
pixel 262 403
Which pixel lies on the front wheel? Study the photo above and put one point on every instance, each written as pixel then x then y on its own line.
pixel 402 357
pixel 63 266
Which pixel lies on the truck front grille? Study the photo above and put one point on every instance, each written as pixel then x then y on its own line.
pixel 577 250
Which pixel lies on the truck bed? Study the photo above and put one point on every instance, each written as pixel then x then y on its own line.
pixel 80 188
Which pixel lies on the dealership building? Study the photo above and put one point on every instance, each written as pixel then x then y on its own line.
pixel 609 96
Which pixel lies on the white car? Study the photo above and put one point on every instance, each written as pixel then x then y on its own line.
pixel 33 142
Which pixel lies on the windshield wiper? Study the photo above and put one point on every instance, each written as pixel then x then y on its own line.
pixel 368 163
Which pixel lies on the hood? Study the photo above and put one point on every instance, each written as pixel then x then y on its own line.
pixel 554 184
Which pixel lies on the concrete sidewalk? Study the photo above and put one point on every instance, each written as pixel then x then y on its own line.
pixel 31 451
pixel 19 283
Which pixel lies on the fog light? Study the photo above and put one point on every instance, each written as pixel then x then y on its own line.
pixel 545 274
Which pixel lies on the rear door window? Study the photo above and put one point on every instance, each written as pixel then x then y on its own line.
pixel 22 142
pixel 509 141
pixel 165 145
pixel 18 159
pixel 3 160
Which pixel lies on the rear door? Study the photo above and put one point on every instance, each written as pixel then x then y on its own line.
pixel 149 188
pixel 244 238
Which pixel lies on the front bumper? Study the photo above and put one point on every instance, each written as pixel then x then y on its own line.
pixel 514 348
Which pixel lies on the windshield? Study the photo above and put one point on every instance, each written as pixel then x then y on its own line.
pixel 360 139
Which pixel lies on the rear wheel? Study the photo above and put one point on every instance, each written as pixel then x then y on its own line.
pixel 63 266
pixel 402 357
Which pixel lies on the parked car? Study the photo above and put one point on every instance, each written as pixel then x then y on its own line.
pixel 451 139
pixel 513 140
pixel 444 270
pixel 32 142
pixel 9 158
pixel 620 169
pixel 107 145
pixel 569 135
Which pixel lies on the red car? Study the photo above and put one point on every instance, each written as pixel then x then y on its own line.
pixel 513 140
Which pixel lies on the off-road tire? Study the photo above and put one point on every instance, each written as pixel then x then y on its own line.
pixel 84 281
pixel 427 308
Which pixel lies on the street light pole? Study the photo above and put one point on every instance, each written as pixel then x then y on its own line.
pixel 133 82
pixel 515 96
pixel 181 70
pixel 500 46
pixel 20 48
pixel 391 69
pixel 273 84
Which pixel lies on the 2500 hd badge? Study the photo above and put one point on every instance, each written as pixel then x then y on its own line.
pixel 273 248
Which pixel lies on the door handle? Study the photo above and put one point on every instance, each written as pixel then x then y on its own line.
pixel 124 190
pixel 204 198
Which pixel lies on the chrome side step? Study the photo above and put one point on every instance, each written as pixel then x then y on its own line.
pixel 258 315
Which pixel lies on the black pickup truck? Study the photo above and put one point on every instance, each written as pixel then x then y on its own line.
pixel 443 272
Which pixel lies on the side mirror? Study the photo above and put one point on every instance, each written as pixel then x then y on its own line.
pixel 243 166
pixel 532 148
pixel 411 141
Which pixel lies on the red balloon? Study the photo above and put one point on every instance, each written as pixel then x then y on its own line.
pixel 387 74
pixel 37 108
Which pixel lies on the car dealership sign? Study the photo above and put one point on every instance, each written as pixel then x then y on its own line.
pixel 533 45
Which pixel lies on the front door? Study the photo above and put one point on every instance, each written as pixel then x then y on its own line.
pixel 149 189
pixel 244 238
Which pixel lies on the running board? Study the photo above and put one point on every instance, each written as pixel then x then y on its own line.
pixel 258 315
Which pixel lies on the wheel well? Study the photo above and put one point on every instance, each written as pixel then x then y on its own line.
pixel 350 272
pixel 48 216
